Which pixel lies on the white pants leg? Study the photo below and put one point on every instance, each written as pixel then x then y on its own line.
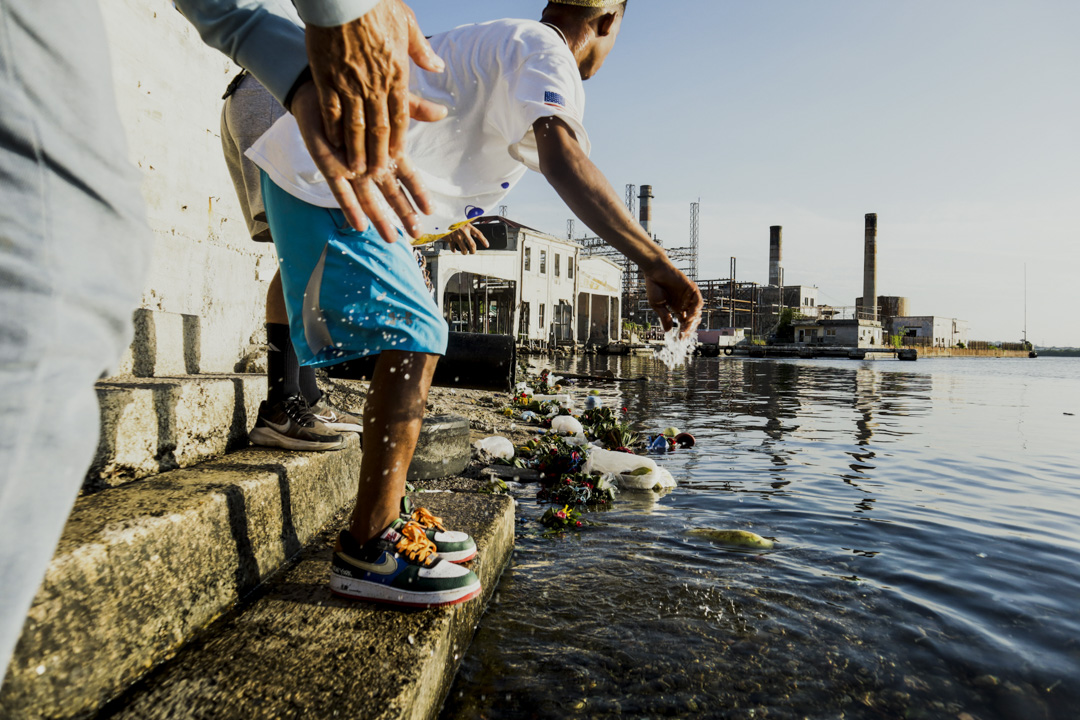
pixel 73 253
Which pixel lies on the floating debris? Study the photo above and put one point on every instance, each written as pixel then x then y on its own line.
pixel 738 538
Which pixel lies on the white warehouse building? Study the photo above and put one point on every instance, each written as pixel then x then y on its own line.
pixel 539 288
pixel 932 330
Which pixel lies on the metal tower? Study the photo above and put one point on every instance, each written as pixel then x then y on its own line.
pixel 502 210
pixel 570 229
pixel 695 209
pixel 631 198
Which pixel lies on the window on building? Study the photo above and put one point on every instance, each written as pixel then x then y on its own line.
pixel 570 267
pixel 543 264
pixel 542 305
pixel 557 258
pixel 528 259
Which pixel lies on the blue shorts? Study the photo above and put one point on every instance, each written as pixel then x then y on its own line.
pixel 349 294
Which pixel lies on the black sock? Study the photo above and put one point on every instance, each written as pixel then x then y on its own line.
pixel 282 367
pixel 308 386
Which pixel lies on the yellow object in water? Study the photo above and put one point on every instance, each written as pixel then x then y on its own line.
pixel 671 432
pixel 740 538
pixel 432 237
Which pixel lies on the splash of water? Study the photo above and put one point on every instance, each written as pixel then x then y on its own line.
pixel 676 349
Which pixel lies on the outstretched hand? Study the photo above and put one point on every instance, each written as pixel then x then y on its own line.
pixel 466 239
pixel 362 103
pixel 674 297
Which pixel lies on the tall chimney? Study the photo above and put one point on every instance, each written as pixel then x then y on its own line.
pixel 775 254
pixel 869 285
pixel 645 205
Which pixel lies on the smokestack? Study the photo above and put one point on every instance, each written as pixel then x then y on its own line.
pixel 645 205
pixel 869 292
pixel 775 254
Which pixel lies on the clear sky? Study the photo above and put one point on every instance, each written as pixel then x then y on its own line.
pixel 956 121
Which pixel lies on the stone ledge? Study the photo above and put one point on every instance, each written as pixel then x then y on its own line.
pixel 143 567
pixel 165 343
pixel 153 425
pixel 299 652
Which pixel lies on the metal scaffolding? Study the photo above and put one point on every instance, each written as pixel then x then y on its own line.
pixel 635 304
pixel 695 209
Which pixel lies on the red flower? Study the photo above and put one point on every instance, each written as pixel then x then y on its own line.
pixel 578 523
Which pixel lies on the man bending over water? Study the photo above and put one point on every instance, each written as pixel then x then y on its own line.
pixel 515 97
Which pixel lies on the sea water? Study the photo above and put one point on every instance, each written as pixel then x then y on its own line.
pixel 926 519
pixel 676 349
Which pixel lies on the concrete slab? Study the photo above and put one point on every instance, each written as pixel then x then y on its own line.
pixel 299 652
pixel 442 449
pixel 164 344
pixel 152 425
pixel 141 568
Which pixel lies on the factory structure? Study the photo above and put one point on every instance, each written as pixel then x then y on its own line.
pixel 549 291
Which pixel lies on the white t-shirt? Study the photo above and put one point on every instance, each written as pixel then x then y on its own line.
pixel 500 78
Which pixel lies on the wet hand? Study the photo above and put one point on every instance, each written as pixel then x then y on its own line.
pixel 674 297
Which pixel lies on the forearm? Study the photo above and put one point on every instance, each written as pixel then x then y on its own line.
pixel 328 13
pixel 260 35
pixel 592 199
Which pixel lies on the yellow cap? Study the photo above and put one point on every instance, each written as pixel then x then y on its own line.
pixel 589 3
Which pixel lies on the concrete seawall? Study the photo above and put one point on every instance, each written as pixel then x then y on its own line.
pixel 205 265
pixel 937 352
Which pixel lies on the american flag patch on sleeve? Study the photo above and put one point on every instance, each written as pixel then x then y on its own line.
pixel 554 99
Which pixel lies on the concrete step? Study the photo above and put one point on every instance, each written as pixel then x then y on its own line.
pixel 143 567
pixel 299 652
pixel 164 344
pixel 152 425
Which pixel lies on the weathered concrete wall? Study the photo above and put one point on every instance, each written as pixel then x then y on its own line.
pixel 169 88
pixel 928 352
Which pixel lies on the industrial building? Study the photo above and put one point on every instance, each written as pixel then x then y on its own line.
pixel 534 286
pixel 548 291
pixel 841 331
pixel 930 330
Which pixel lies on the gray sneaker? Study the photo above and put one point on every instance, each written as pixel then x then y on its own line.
pixel 335 419
pixel 290 425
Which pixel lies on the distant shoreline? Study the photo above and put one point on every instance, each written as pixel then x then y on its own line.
pixel 1068 352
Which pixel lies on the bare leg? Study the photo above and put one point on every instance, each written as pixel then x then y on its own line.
pixel 392 418
pixel 275 302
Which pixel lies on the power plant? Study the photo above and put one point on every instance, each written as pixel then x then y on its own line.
pixel 777 311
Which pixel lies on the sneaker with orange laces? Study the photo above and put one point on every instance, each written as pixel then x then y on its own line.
pixel 452 545
pixel 400 567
